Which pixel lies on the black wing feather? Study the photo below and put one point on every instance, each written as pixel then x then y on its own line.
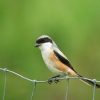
pixel 66 62
pixel 63 60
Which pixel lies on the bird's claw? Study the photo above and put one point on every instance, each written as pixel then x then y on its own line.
pixel 56 80
pixel 51 80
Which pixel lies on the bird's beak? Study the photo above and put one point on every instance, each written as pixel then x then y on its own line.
pixel 37 45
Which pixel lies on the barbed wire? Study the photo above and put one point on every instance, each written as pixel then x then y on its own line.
pixel 34 82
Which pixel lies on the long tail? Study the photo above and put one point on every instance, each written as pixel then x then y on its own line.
pixel 89 82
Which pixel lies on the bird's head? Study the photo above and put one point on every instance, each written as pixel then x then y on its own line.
pixel 44 41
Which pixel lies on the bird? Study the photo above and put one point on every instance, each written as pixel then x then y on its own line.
pixel 56 61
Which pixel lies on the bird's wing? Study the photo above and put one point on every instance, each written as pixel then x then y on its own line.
pixel 63 58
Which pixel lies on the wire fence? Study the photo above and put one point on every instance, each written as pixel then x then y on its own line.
pixel 35 82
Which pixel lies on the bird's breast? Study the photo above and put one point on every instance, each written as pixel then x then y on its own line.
pixel 55 65
pixel 49 59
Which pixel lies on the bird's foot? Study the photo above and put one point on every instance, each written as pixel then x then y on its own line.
pixel 53 79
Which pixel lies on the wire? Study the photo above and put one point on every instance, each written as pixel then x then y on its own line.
pixel 5 81
pixel 94 89
pixel 34 82
pixel 34 89
pixel 67 90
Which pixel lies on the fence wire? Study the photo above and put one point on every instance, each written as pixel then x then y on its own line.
pixel 34 82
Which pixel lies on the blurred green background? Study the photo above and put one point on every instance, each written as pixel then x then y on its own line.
pixel 75 27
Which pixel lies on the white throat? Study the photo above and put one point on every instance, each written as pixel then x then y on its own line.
pixel 45 46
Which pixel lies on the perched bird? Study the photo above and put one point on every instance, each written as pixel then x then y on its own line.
pixel 56 61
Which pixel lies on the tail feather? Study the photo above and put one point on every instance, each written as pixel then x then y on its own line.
pixel 89 82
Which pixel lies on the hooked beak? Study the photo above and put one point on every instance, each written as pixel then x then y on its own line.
pixel 37 45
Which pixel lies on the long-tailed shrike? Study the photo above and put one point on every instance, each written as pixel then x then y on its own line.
pixel 55 60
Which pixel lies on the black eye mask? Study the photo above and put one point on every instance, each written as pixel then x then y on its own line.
pixel 44 40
